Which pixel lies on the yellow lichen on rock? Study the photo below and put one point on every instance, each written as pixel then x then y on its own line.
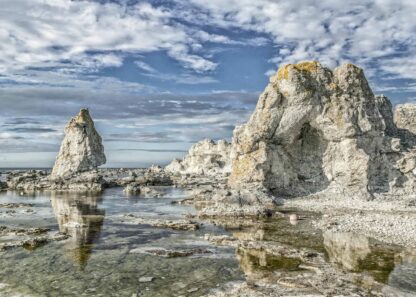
pixel 332 85
pixel 307 66
pixel 283 72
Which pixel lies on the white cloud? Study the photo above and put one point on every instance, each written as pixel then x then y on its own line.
pixel 144 66
pixel 363 31
pixel 45 33
pixel 183 78
pixel 270 72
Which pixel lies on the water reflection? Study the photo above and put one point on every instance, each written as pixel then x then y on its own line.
pixel 386 264
pixel 402 280
pixel 374 265
pixel 347 249
pixel 258 261
pixel 80 217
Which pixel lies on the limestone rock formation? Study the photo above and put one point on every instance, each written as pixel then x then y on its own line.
pixel 81 149
pixel 405 116
pixel 204 158
pixel 314 129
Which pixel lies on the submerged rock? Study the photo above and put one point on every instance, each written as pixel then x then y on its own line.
pixel 314 129
pixel 169 253
pixel 81 149
pixel 204 158
pixel 184 225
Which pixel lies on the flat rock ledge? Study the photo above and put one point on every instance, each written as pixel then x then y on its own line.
pixel 179 224
pixel 134 180
pixel 30 238
pixel 170 253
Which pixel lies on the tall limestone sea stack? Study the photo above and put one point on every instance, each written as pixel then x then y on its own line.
pixel 81 150
pixel 317 130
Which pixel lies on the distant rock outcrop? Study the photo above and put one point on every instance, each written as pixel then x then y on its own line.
pixel 204 158
pixel 81 149
pixel 314 129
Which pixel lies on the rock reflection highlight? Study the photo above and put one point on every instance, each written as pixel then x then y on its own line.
pixel 81 218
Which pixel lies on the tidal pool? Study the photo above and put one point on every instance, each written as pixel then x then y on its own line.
pixel 99 259
pixel 102 256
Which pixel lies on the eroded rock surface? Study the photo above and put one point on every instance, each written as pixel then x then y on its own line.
pixel 81 149
pixel 314 129
pixel 405 117
pixel 204 158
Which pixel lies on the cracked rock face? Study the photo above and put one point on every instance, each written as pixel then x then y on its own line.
pixel 204 158
pixel 314 129
pixel 81 150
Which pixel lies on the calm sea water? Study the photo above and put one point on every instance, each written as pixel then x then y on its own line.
pixel 102 257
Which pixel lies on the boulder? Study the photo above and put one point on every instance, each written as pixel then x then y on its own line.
pixel 315 130
pixel 81 149
pixel 204 158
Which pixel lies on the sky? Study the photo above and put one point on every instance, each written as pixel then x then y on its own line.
pixel 158 76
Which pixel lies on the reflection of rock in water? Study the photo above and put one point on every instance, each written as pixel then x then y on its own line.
pixel 346 249
pixel 356 253
pixel 79 217
pixel 402 280
pixel 259 262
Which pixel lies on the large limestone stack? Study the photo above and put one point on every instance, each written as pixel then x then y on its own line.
pixel 315 129
pixel 81 149
pixel 204 158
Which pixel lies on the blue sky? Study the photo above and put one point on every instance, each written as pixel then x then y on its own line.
pixel 160 75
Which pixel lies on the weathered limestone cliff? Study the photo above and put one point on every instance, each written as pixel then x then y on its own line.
pixel 315 129
pixel 81 149
pixel 204 158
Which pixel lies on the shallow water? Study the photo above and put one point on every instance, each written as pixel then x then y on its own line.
pixel 100 258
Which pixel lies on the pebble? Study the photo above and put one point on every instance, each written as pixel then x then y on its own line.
pixel 146 279
pixel 193 290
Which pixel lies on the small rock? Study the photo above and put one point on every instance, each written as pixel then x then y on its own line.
pixel 193 290
pixel 146 279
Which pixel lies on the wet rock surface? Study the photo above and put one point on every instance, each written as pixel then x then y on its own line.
pixel 169 253
pixel 28 238
pixel 160 223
